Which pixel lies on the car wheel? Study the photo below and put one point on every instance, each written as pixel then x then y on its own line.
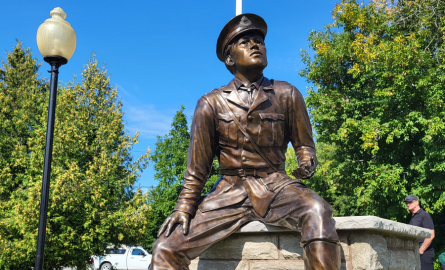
pixel 106 266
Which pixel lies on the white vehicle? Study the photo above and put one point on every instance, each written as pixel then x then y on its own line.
pixel 123 258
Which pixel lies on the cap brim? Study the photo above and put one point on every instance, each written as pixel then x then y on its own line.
pixel 233 29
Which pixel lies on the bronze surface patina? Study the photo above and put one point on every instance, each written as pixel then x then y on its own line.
pixel 248 125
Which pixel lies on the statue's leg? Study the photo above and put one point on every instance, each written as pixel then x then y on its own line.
pixel 176 251
pixel 302 209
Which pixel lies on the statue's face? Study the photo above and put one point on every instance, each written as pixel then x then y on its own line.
pixel 248 52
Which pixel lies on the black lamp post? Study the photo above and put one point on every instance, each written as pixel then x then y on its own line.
pixel 56 40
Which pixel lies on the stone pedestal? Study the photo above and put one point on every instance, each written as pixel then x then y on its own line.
pixel 367 243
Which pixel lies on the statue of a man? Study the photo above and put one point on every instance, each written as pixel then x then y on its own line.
pixel 248 125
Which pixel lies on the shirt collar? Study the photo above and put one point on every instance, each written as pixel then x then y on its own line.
pixel 234 84
pixel 418 211
pixel 238 83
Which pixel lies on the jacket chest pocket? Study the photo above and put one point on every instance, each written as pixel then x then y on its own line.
pixel 271 129
pixel 228 131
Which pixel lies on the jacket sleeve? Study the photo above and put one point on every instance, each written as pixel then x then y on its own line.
pixel 200 156
pixel 301 130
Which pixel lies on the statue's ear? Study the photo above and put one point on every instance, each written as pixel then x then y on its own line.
pixel 229 61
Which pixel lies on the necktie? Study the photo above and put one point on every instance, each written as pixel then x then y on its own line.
pixel 246 94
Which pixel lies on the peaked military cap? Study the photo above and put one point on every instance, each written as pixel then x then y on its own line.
pixel 238 25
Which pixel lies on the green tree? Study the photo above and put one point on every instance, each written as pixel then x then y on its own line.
pixel 22 98
pixel 379 100
pixel 379 75
pixel 170 164
pixel 326 158
pixel 91 201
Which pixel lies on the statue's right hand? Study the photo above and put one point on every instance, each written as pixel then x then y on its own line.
pixel 177 217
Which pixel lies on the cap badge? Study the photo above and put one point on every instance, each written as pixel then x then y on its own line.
pixel 245 22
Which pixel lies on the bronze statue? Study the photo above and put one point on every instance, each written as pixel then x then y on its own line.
pixel 248 125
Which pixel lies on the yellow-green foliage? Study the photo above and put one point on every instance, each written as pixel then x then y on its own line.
pixel 91 200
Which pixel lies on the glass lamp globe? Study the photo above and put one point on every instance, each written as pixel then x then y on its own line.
pixel 56 38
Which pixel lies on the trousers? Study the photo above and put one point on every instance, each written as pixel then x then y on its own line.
pixel 426 259
pixel 295 207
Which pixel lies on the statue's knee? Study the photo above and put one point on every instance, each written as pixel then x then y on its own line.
pixel 322 209
pixel 327 210
pixel 156 246
pixel 162 245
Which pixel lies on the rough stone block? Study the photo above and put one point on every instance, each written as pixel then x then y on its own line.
pixel 373 223
pixel 290 248
pixel 402 260
pixel 416 252
pixel 258 226
pixel 246 247
pixel 277 265
pixel 369 251
pixel 218 265
pixel 344 247
pixel 409 243
pixel 396 243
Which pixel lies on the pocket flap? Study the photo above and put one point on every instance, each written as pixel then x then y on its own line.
pixel 272 116
pixel 227 118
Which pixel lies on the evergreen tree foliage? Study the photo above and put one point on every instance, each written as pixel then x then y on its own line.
pixel 91 202
pixel 22 102
pixel 170 164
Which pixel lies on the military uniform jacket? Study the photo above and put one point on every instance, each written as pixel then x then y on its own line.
pixel 276 117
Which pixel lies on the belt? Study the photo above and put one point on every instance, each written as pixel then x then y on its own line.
pixel 262 172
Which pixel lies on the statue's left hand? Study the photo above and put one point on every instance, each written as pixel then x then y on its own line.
pixel 177 217
pixel 305 170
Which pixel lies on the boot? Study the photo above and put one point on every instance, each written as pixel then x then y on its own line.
pixel 322 255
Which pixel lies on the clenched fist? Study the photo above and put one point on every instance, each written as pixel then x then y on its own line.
pixel 306 168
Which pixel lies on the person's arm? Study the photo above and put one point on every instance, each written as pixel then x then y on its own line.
pixel 301 137
pixel 426 243
pixel 200 155
pixel 427 223
pixel 202 149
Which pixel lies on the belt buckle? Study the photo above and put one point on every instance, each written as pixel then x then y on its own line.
pixel 242 173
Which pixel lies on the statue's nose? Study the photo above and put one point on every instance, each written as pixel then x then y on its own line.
pixel 253 43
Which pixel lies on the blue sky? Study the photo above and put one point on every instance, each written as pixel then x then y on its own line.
pixel 161 54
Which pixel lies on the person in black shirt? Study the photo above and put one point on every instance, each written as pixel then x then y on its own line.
pixel 422 219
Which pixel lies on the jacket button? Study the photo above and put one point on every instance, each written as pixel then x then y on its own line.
pixel 243 158
pixel 250 117
pixel 243 178
pixel 247 140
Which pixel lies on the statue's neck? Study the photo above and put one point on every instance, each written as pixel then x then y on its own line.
pixel 248 77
